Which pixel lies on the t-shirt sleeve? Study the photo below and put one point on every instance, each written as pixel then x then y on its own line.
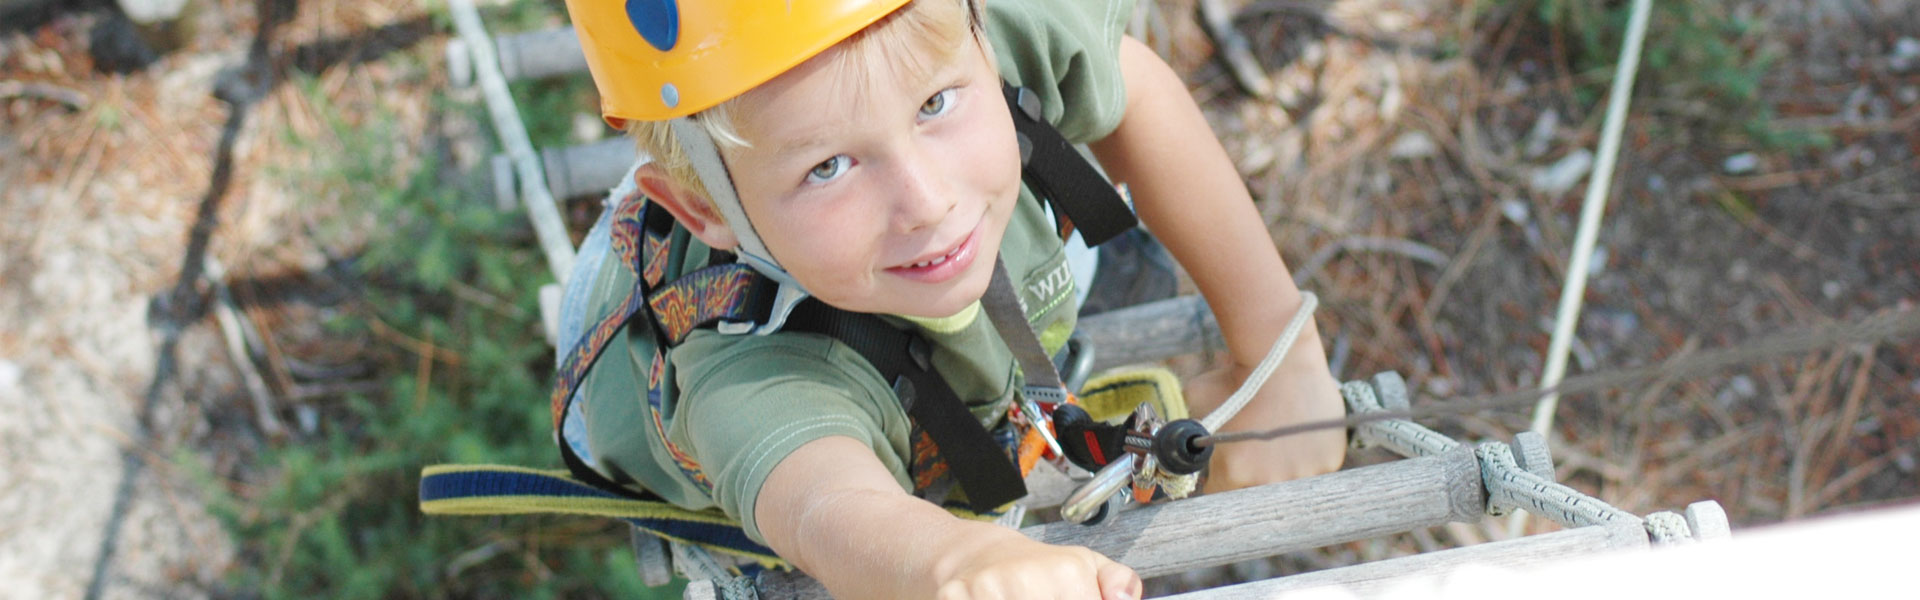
pixel 760 405
pixel 1068 52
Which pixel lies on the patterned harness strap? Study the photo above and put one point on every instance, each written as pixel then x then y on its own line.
pixel 732 292
pixel 629 232
pixel 641 238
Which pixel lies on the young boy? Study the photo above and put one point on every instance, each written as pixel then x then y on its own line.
pixel 869 160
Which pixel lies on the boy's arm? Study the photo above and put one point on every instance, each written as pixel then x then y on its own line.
pixel 834 511
pixel 1187 191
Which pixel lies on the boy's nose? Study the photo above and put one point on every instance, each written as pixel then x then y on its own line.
pixel 920 200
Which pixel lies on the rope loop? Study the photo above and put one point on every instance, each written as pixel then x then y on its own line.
pixel 1240 397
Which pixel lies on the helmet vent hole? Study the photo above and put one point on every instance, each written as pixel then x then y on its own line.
pixel 658 22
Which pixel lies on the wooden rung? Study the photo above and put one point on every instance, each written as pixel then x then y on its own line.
pixel 571 172
pixel 1374 578
pixel 550 312
pixel 1048 487
pixel 1218 529
pixel 540 54
pixel 1151 332
pixel 525 55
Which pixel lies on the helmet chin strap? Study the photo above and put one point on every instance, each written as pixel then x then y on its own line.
pixel 705 157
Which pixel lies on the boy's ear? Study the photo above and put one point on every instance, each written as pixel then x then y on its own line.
pixel 687 206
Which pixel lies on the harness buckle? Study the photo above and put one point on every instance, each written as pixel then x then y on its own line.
pixel 1030 400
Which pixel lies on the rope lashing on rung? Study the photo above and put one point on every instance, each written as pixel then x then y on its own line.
pixel 1403 437
pixel 1667 528
pixel 1510 487
pixel 696 564
pixel 1509 484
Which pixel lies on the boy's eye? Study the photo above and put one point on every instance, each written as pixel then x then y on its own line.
pixel 937 104
pixel 829 169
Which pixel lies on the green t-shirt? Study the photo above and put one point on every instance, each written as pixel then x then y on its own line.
pixel 734 406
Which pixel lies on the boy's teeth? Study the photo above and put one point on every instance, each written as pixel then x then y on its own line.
pixel 935 261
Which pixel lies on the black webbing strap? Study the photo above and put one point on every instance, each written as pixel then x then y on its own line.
pixel 1060 174
pixel 977 462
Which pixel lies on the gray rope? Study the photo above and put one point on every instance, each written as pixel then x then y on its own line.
pixel 1403 437
pixel 1668 529
pixel 698 565
pixel 1510 487
pixel 1886 325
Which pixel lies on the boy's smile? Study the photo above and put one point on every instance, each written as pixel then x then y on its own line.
pixel 882 186
pixel 947 264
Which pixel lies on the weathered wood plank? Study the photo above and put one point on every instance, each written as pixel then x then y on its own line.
pixel 540 54
pixel 548 226
pixel 1151 332
pixel 588 169
pixel 1217 529
pixel 1339 507
pixel 572 171
pixel 1048 487
pixel 1371 579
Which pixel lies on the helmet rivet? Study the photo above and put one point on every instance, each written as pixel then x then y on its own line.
pixel 657 21
pixel 670 95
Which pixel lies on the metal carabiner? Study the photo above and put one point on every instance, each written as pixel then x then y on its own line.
pixel 1084 506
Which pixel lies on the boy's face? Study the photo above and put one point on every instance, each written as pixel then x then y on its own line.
pixel 882 190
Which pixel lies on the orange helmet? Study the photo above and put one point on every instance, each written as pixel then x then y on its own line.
pixel 655 60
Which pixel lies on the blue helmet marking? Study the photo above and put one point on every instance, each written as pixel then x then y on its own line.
pixel 658 22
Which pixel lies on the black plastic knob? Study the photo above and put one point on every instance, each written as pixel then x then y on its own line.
pixel 1174 447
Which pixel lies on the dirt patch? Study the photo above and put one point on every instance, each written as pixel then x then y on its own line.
pixel 120 386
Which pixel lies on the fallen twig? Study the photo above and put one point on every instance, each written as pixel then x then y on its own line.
pixel 488 301
pixel 72 98
pixel 1408 248
pixel 1846 481
pixel 1843 431
pixel 411 344
pixel 1489 218
pixel 257 390
pixel 308 391
pixel 1234 49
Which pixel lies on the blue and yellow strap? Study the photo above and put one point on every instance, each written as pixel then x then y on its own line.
pixel 509 490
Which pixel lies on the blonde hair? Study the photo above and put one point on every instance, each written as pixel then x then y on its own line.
pixel 914 39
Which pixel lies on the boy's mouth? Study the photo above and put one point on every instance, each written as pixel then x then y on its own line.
pixel 945 265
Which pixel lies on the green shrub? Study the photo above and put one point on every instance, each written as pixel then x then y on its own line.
pixel 335 514
pixel 1695 50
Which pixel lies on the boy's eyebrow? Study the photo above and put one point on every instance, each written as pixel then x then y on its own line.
pixel 795 146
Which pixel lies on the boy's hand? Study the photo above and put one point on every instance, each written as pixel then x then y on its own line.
pixel 834 511
pixel 997 563
pixel 1300 390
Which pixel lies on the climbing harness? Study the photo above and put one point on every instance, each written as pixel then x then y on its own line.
pixel 739 294
pixel 1150 451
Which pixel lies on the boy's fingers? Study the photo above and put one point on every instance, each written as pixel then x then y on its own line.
pixel 1117 582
